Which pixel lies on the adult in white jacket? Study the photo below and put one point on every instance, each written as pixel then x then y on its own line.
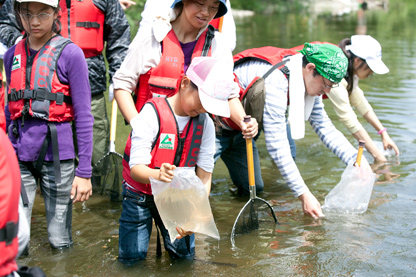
pixel 188 19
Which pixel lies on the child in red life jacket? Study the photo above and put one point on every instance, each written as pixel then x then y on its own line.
pixel 9 202
pixel 175 131
pixel 47 82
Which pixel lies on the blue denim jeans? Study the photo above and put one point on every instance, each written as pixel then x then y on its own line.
pixel 57 197
pixel 136 226
pixel 231 147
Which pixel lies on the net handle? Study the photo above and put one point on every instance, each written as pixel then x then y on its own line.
pixel 361 145
pixel 250 163
pixel 113 125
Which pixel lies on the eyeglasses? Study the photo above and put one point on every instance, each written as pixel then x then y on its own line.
pixel 330 86
pixel 41 16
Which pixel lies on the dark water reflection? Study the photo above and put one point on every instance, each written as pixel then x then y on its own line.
pixel 379 242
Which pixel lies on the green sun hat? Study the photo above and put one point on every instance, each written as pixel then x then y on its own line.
pixel 329 60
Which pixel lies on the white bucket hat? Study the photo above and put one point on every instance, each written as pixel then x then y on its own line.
pixel 367 48
pixel 53 3
pixel 214 80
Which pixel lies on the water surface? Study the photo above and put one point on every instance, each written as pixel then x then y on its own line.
pixel 379 242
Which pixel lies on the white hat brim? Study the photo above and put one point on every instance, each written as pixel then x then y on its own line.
pixel 213 105
pixel 377 66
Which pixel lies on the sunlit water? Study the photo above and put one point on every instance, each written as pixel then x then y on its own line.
pixel 379 242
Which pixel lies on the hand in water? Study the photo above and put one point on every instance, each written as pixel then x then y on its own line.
pixel 310 205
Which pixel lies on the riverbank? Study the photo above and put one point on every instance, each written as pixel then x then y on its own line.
pixel 333 7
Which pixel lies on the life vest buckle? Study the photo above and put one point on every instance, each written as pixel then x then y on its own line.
pixel 88 24
pixel 59 98
pixel 40 94
pixel 11 232
pixel 28 94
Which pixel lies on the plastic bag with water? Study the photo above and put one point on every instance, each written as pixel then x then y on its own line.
pixel 184 203
pixel 388 153
pixel 352 194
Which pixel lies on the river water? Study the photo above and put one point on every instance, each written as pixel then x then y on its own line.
pixel 379 242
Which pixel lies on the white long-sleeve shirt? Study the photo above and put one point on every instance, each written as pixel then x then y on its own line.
pixel 148 126
pixel 343 102
pixel 274 124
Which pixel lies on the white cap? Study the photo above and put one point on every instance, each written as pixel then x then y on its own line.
pixel 53 3
pixel 214 80
pixel 367 48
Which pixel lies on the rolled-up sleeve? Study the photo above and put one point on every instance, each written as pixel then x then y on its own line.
pixel 143 54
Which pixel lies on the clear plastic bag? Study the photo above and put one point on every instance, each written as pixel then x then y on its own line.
pixel 388 153
pixel 352 194
pixel 184 203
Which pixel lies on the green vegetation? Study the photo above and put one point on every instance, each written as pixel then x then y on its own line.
pixel 133 15
pixel 259 6
pixel 269 6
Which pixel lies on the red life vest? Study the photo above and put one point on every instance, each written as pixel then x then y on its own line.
pixel 2 96
pixel 269 54
pixel 83 23
pixel 45 96
pixel 217 23
pixel 9 215
pixel 169 146
pixel 164 79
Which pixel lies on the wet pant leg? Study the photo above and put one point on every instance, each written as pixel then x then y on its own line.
pixel 58 203
pixel 30 184
pixel 57 197
pixel 135 228
pixel 232 149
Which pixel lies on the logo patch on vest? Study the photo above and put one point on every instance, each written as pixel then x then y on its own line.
pixel 156 95
pixel 16 62
pixel 167 141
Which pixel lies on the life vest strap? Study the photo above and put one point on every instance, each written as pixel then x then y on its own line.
pixel 88 24
pixel 284 70
pixel 9 232
pixel 39 94
pixel 23 193
pixel 51 137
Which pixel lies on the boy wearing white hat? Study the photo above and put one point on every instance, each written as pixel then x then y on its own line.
pixel 174 131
